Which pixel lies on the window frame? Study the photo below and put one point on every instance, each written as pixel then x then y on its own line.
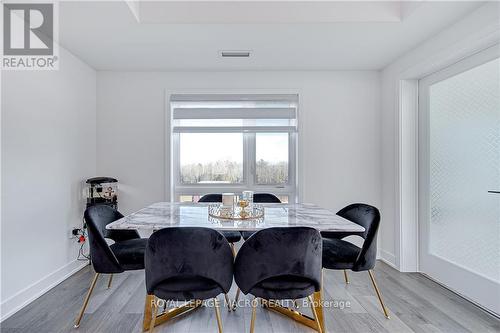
pixel 178 189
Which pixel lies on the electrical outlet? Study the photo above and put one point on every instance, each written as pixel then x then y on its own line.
pixel 74 233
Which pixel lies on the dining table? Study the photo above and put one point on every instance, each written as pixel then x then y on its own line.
pixel 176 214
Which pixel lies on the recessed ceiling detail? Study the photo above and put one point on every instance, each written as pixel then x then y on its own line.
pixel 117 40
pixel 236 11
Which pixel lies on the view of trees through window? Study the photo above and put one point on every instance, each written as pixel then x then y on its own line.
pixel 222 171
pixel 218 158
pixel 211 158
pixel 272 173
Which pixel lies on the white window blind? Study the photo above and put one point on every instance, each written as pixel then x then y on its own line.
pixel 234 113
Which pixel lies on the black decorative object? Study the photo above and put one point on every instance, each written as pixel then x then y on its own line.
pixel 102 191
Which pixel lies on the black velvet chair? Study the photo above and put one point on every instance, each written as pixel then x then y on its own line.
pixel 340 254
pixel 127 253
pixel 178 271
pixel 280 264
pixel 260 198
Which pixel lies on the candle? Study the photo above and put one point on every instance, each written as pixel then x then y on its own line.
pixel 248 197
pixel 227 199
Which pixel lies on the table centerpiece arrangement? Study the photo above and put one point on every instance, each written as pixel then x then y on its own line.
pixel 235 207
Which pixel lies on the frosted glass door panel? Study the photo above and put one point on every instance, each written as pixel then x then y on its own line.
pixel 464 155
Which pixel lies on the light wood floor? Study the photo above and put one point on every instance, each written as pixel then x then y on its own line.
pixel 416 304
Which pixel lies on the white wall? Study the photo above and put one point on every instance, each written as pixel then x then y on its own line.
pixel 48 148
pixel 339 131
pixel 473 33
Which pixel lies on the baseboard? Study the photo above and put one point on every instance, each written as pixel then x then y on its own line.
pixel 388 258
pixel 37 289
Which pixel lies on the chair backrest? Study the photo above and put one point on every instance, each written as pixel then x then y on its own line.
pixel 212 197
pixel 279 252
pixel 257 197
pixel 186 252
pixel 97 218
pixel 265 198
pixel 368 217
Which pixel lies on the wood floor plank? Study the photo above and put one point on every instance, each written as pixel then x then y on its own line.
pixel 233 321
pixel 372 306
pixel 416 304
pixel 341 295
pixel 450 303
pixel 354 322
pixel 136 300
pixel 44 311
pixel 121 294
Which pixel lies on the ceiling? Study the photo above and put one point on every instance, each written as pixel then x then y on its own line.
pixel 281 35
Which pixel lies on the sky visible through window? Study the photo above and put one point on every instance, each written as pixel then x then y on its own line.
pixel 218 157
pixel 211 147
pixel 203 148
pixel 272 147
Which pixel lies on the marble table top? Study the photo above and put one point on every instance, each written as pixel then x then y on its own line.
pixel 165 214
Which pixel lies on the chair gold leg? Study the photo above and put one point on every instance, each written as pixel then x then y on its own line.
pixel 238 289
pixel 346 278
pixel 322 282
pixel 228 302
pixel 110 280
pixel 233 250
pixel 217 315
pixel 386 313
pixel 254 314
pixel 86 301
pixel 235 303
pixel 318 297
pixel 154 314
pixel 315 314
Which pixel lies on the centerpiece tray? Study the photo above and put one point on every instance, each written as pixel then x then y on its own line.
pixel 237 213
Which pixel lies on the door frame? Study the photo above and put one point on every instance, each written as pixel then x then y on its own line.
pixel 405 256
pixel 481 288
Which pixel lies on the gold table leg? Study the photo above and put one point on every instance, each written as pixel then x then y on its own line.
pixel 167 315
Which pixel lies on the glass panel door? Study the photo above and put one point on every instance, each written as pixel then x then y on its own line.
pixel 459 175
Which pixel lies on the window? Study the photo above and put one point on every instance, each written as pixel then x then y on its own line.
pixel 230 143
pixel 271 158
pixel 201 162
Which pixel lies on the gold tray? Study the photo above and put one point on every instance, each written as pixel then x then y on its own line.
pixel 223 213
